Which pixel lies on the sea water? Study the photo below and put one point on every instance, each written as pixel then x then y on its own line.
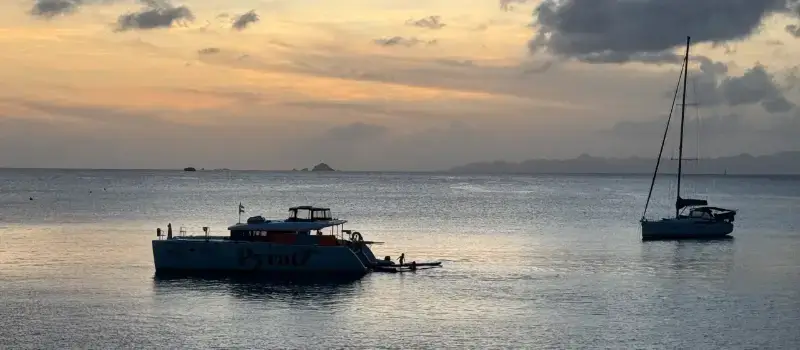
pixel 528 262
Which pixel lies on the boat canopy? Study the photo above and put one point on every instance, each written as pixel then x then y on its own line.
pixel 301 219
pixel 717 209
pixel 309 213
pixel 714 212
pixel 285 225
pixel 689 202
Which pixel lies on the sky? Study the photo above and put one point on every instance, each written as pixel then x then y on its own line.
pixel 387 84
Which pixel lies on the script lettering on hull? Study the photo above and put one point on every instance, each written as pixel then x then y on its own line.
pixel 296 259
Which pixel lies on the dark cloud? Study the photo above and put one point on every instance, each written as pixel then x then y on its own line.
pixel 430 22
pixel 155 14
pixel 756 85
pixel 209 51
pixel 793 29
pixel 778 104
pixel 401 41
pixel 647 31
pixel 709 66
pixel 241 22
pixel 53 8
pixel 712 86
pixel 792 78
pixel 625 30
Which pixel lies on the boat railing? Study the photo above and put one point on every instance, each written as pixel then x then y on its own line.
pixel 183 233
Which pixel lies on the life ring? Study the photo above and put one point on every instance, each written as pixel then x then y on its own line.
pixel 356 237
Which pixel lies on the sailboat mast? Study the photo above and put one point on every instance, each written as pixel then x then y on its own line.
pixel 683 117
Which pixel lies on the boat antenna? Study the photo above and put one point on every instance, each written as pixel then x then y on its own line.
pixel 663 140
pixel 683 117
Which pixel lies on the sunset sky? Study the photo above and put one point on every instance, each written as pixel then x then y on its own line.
pixel 386 84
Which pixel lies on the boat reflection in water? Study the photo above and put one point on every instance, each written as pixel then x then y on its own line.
pixel 257 287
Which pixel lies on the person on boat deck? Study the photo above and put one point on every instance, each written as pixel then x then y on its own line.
pixel 402 258
pixel 169 230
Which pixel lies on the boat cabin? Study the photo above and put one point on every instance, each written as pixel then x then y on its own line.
pixel 304 226
pixel 711 213
pixel 701 213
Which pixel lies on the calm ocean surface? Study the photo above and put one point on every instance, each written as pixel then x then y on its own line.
pixel 529 262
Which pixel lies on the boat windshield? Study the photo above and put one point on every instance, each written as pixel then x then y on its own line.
pixel 309 213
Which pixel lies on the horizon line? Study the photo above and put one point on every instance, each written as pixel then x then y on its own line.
pixel 437 172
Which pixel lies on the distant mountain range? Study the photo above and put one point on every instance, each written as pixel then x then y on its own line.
pixel 783 163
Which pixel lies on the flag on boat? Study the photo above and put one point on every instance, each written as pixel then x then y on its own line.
pixel 241 208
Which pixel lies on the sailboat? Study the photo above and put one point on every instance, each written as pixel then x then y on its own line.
pixel 693 219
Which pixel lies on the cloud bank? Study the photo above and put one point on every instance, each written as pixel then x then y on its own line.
pixel 649 31
pixel 154 15
pixel 53 8
pixel 430 22
pixel 625 30
pixel 242 21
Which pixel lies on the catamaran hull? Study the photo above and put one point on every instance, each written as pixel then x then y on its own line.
pixel 192 256
pixel 685 229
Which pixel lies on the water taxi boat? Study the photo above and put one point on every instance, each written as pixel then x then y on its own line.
pixel 309 241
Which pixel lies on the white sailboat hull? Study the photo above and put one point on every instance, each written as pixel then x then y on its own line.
pixel 685 228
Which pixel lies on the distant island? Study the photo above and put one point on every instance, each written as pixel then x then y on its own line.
pixel 783 163
pixel 322 167
pixel 318 167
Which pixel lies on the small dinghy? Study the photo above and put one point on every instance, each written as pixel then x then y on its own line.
pixel 387 265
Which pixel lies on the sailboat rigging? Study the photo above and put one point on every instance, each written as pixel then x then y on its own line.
pixel 702 221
